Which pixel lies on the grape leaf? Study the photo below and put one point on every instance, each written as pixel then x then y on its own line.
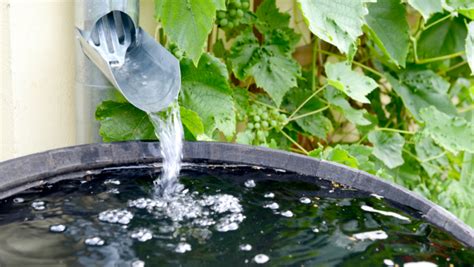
pixel 453 133
pixel 337 22
pixel 387 147
pixel 467 172
pixel 121 121
pixel 420 89
pixel 356 85
pixel 205 90
pixel 388 27
pixel 426 149
pixel 192 122
pixel 270 18
pixel 337 100
pixel 271 68
pixel 470 46
pixel 187 23
pixel 426 7
pixel 444 38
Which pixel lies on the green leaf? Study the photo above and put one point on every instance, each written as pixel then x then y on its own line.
pixel 470 46
pixel 205 90
pixel 426 7
pixel 271 68
pixel 460 4
pixel 270 18
pixel 467 173
pixel 420 89
pixel 187 23
pixel 356 85
pixel 192 122
pixel 388 27
pixel 426 149
pixel 342 156
pixel 121 121
pixel 444 38
pixel 362 154
pixel 387 147
pixel 337 22
pixel 337 100
pixel 453 133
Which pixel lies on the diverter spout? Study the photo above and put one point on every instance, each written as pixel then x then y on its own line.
pixel 114 52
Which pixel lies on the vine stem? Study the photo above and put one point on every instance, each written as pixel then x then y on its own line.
pixel 394 130
pixel 436 22
pixel 306 101
pixel 294 142
pixel 313 64
pixel 460 64
pixel 434 157
pixel 434 59
pixel 309 113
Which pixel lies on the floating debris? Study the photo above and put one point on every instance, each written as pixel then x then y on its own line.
pixel 245 247
pixel 250 183
pixel 182 247
pixel 94 241
pixel 386 213
pixel 305 200
pixel 376 196
pixel 261 258
pixel 57 228
pixel 372 235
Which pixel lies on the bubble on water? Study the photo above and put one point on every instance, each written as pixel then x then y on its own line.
pixel 144 76
pixel 224 203
pixel 182 247
pixel 57 228
pixel 112 181
pixel 138 263
pixel 261 258
pixel 305 200
pixel 269 195
pixel 245 247
pixel 142 234
pixel 372 235
pixel 230 222
pixel 120 216
pixel 250 183
pixel 315 230
pixel 18 200
pixel 388 262
pixel 38 205
pixel 144 83
pixel 376 196
pixel 287 213
pixel 272 206
pixel 94 241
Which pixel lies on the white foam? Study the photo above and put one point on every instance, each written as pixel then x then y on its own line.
pixel 386 213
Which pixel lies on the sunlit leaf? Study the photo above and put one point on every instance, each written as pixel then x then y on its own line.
pixel 387 147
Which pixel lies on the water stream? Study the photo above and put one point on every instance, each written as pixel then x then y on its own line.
pixel 169 131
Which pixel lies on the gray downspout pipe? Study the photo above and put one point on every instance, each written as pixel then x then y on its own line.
pixel 92 87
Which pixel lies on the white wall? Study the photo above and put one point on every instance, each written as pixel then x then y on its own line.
pixel 37 74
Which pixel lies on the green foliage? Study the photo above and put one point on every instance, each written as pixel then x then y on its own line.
pixel 120 121
pixel 377 86
pixel 354 84
pixel 388 27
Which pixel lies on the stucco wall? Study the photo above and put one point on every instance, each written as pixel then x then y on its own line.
pixel 37 74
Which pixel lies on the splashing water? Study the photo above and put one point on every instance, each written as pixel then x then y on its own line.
pixel 169 130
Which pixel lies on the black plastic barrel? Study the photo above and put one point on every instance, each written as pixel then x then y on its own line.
pixel 22 173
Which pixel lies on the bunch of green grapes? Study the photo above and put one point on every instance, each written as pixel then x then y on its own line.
pixel 231 17
pixel 262 119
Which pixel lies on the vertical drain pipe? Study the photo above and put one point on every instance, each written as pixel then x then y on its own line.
pixel 92 87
